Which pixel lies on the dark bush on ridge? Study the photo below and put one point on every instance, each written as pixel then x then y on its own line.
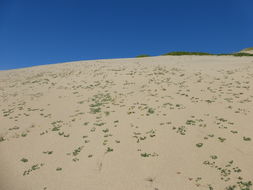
pixel 178 53
pixel 242 54
pixel 248 49
pixel 143 55
pixel 186 53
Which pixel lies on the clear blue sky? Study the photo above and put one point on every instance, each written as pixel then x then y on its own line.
pixel 36 32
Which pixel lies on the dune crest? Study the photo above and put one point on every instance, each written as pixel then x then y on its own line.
pixel 247 50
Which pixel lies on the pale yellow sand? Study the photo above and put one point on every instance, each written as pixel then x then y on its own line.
pixel 248 51
pixel 158 123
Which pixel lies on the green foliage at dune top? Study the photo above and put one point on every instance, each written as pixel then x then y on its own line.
pixel 248 49
pixel 242 54
pixel 186 53
pixel 179 53
pixel 143 55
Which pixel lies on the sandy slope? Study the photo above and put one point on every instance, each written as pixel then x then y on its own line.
pixel 158 123
pixel 248 51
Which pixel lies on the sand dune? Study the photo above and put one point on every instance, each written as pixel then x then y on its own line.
pixel 157 123
pixel 247 50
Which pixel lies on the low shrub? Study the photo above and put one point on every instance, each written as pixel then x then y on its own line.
pixel 142 55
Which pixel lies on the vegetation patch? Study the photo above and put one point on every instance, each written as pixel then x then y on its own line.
pixel 143 55
pixel 24 160
pixel 199 145
pixel 33 168
pixel 180 53
pixel 149 154
pixel 186 53
pixel 246 138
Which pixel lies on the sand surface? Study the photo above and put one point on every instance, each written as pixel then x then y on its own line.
pixel 247 51
pixel 157 123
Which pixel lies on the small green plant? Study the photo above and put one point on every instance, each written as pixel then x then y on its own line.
pixel 107 113
pixel 181 130
pixel 60 133
pixel 214 157
pixel 48 152
pixel 99 124
pixel 148 154
pixel 33 168
pixel 1 139
pixel 80 102
pixel 199 145
pixel 246 138
pixel 86 123
pixel 95 110
pixel 56 129
pixel 151 110
pixel 24 160
pixel 58 169
pixel 145 154
pixel 109 149
pixel 221 139
pixel 75 159
pixel 77 151
pixel 245 185
pixel 150 179
pixel 24 134
pixel 231 187
pixel 93 129
pixel 151 133
pixel 190 122
pixel 210 187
